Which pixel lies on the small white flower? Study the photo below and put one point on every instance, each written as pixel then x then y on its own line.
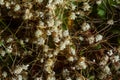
pixel 73 6
pixel 115 58
pixel 98 37
pixel 81 13
pixel 41 41
pixel 48 32
pixel 98 2
pixel 55 29
pixel 94 60
pixel 51 77
pixel 7 5
pixel 56 39
pixel 39 1
pixel 2 2
pixel 85 26
pixel 21 42
pixel 71 59
pixel 65 33
pixel 50 1
pixel 41 60
pixel 58 1
pixel 67 42
pixel 110 52
pixel 28 14
pixel 9 49
pixel 18 70
pixel 49 62
pixel 20 77
pixel 81 38
pixel 38 33
pixel 41 24
pixel 17 7
pixel 102 75
pixel 27 40
pixel 9 40
pixel 58 23
pixel 41 14
pixel 51 6
pixel 50 23
pixel 104 60
pixel 4 74
pixel 86 6
pixel 60 33
pixel 107 70
pixel 80 78
pixel 72 51
pixel 65 72
pixel 116 65
pixel 62 46
pixel 82 63
pixel 110 22
pixel 25 67
pixel 39 78
pixel 72 16
pixel 48 65
pixel 13 2
pixel 46 48
pixel 73 68
pixel 56 52
pixel 2 52
pixel 91 39
pixel 50 55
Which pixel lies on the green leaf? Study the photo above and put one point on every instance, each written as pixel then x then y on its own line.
pixel 98 47
pixel 101 9
pixel 91 77
pixel 1 43
pixel 112 2
pixel 101 12
pixel 81 52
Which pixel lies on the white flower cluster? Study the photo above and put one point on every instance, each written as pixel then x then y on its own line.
pixel 20 68
pixel 2 2
pixel 106 71
pixel 110 22
pixel 98 37
pixel 17 7
pixel 85 26
pixel 2 53
pixel 115 58
pixel 9 49
pixel 73 16
pixel 104 60
pixel 81 63
pixel 93 39
pixel 104 65
pixel 98 2
pixel 86 6
pixel 110 52
pixel 48 66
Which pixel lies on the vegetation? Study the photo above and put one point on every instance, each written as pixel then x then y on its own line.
pixel 59 39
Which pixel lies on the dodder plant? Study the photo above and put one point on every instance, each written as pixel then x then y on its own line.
pixel 59 39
